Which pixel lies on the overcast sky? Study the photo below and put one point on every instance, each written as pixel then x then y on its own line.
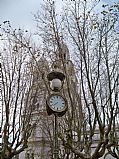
pixel 19 12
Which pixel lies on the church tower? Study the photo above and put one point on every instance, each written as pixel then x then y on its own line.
pixel 40 143
pixel 64 62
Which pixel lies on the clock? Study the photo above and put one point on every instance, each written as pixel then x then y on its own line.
pixel 56 103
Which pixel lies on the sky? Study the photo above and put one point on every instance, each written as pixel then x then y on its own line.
pixel 20 12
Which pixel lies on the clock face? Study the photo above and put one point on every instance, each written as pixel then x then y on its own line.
pixel 57 103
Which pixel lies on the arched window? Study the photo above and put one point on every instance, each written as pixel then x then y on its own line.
pixel 32 156
pixel 64 56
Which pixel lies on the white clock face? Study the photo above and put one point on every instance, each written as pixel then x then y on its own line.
pixel 57 102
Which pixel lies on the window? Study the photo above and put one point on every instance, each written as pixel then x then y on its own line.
pixel 32 156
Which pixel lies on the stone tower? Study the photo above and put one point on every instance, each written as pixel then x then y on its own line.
pixel 40 144
pixel 71 91
pixel 71 85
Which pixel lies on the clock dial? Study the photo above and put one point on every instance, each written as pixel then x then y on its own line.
pixel 57 103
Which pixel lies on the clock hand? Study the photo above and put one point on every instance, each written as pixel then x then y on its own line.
pixel 56 103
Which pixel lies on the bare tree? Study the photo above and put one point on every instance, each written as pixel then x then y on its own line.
pixel 90 126
pixel 16 90
pixel 95 41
